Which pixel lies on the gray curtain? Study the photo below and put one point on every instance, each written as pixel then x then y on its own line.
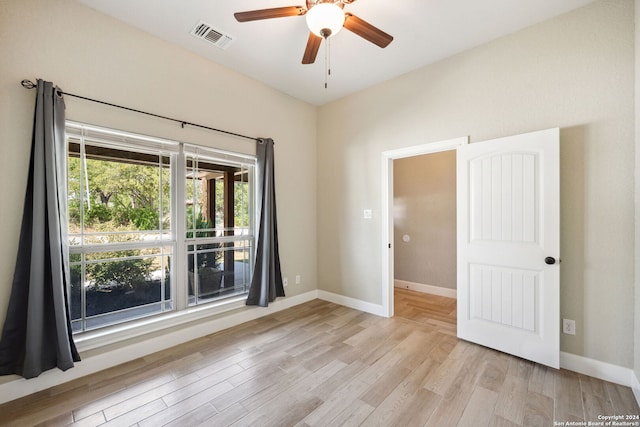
pixel 37 332
pixel 266 283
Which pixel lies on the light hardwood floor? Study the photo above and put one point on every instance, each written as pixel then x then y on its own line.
pixel 326 365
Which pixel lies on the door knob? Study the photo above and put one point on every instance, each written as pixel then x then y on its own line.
pixel 550 260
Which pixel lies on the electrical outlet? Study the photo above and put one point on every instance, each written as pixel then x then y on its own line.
pixel 569 326
pixel 285 282
pixel 298 279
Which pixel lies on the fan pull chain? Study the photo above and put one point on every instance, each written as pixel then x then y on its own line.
pixel 327 70
pixel 329 57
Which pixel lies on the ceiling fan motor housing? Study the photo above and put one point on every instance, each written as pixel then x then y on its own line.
pixel 339 3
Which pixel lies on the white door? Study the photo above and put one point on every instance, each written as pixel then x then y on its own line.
pixel 509 245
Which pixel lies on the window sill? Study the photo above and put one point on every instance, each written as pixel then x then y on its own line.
pixel 114 334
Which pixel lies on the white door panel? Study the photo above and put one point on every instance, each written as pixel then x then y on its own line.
pixel 508 223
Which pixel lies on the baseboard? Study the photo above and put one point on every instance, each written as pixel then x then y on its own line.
pixel 15 387
pixel 427 289
pixel 356 304
pixel 601 370
pixel 636 388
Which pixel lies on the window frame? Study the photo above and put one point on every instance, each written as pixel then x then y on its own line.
pixel 197 154
pixel 175 238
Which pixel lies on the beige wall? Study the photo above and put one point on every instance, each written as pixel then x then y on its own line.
pixel 575 72
pixel 88 53
pixel 424 208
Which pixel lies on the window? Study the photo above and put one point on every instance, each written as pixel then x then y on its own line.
pixel 219 232
pixel 135 251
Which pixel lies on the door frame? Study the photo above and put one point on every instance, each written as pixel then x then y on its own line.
pixel 387 208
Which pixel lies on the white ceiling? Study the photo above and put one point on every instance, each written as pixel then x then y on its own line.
pixel 271 50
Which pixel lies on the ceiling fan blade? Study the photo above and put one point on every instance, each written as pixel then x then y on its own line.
pixel 366 30
pixel 277 12
pixel 311 51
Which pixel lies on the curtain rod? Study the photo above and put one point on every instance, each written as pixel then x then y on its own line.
pixel 28 84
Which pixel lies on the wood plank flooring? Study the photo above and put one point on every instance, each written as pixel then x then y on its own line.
pixel 321 364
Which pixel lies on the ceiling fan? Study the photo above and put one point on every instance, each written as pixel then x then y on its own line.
pixel 324 19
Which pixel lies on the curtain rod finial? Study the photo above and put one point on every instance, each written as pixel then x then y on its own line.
pixel 27 84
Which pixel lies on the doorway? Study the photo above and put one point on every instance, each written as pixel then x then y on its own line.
pixel 388 214
pixel 424 245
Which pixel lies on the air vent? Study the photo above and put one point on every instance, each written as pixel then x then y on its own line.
pixel 216 37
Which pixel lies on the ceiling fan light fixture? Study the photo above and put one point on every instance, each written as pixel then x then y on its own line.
pixel 325 19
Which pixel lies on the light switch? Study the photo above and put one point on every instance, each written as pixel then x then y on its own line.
pixel 367 214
